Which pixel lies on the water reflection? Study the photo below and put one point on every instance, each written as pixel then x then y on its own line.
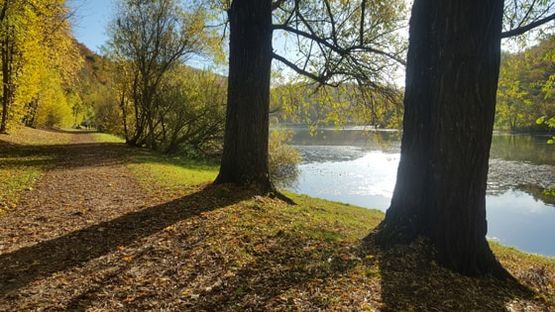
pixel 360 167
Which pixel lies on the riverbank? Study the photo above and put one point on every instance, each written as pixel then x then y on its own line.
pixel 103 226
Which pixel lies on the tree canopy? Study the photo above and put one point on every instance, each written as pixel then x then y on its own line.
pixel 39 62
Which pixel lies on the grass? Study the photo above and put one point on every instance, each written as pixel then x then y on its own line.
pixel 170 172
pixel 36 137
pixel 238 251
pixel 20 168
pixel 322 242
pixel 107 138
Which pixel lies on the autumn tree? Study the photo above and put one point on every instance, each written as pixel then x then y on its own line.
pixel 335 41
pixel 451 82
pixel 39 60
pixel 149 39
pixel 525 90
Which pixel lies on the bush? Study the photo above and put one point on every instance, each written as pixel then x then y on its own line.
pixel 283 158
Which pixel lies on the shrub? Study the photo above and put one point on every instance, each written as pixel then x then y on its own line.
pixel 283 159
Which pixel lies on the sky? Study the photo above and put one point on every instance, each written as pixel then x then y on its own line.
pixel 89 21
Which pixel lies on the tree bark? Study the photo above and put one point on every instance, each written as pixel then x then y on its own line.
pixel 124 116
pixel 245 155
pixel 7 82
pixel 451 84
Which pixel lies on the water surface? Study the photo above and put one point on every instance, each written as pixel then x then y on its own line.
pixel 359 167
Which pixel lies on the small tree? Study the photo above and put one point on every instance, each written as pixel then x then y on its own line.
pixel 150 38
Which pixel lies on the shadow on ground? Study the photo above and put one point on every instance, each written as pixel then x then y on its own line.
pixel 67 155
pixel 412 281
pixel 28 264
pixel 279 266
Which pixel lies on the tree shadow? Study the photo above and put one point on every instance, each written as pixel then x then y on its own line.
pixel 45 258
pixel 63 155
pixel 72 131
pixel 283 264
pixel 412 281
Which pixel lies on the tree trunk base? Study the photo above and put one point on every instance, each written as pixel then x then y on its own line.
pixel 282 197
pixel 387 236
pixel 262 186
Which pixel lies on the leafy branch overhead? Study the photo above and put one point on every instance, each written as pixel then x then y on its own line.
pixel 337 41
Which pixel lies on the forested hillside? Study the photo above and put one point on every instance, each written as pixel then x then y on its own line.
pixel 526 88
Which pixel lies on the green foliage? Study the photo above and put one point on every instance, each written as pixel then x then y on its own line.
pixel 347 104
pixel 525 89
pixel 549 192
pixel 192 105
pixel 160 103
pixel 40 61
pixel 550 123
pixel 93 96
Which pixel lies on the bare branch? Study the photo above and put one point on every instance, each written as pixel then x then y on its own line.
pixel 521 30
pixel 321 79
pixel 337 49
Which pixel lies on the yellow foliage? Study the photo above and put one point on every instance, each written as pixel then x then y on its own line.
pixel 44 61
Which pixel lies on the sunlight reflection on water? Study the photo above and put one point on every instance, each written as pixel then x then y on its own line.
pixel 367 179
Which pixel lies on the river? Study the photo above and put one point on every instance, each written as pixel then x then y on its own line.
pixel 359 167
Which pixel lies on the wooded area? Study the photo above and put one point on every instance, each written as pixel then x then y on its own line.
pixel 313 62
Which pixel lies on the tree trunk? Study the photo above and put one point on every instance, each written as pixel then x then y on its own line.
pixel 451 84
pixel 245 155
pixel 124 116
pixel 6 84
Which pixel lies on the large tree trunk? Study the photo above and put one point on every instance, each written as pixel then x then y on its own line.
pixel 451 84
pixel 245 155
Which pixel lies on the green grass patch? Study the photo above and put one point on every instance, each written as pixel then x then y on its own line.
pixel 170 171
pixel 20 165
pixel 153 169
pixel 17 177
pixel 107 138
pixel 30 136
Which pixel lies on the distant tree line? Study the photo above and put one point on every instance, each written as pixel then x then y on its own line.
pixel 312 105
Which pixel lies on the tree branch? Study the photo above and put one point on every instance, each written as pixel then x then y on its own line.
pixel 520 30
pixel 335 48
pixel 321 79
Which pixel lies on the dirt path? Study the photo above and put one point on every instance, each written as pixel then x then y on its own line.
pixel 89 183
pixel 88 237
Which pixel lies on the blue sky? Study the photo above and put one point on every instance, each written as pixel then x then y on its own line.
pixel 90 20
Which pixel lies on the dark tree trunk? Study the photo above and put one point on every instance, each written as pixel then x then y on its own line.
pixel 245 155
pixel 7 88
pixel 451 84
pixel 124 116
